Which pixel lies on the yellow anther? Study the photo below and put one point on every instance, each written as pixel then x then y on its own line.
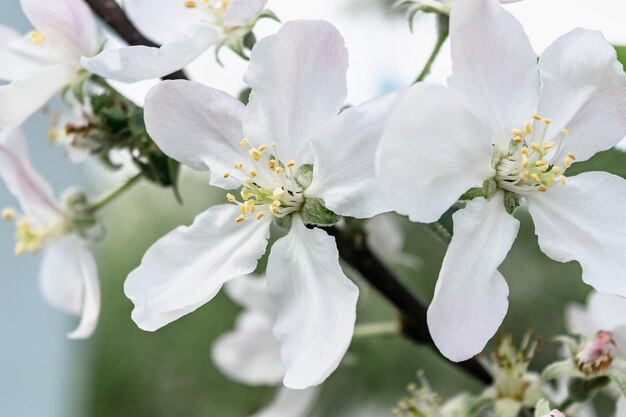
pixel 255 154
pixel 541 163
pixel 534 177
pixel 238 165
pixel 278 192
pixel 262 148
pixel 556 170
pixel 245 193
pixel 240 219
pixel 23 226
pixel 252 173
pixel 517 132
pixel 562 179
pixel 545 121
pixel 226 174
pixel 273 145
pixel 271 163
pixel 565 131
pixel 251 206
pixel 20 248
pixel 542 188
pixel 524 161
pixel 191 4
pixel 243 142
pixel 528 128
pixel 536 148
pixel 37 37
pixel 525 151
pixel 231 198
pixel 33 247
pixel 8 214
pixel 276 203
pixel 243 208
pixel 260 214
pixel 278 170
pixel 568 161
pixel 524 176
pixel 273 210
pixel 517 139
pixel 571 155
pixel 548 144
pixel 536 117
pixel 290 164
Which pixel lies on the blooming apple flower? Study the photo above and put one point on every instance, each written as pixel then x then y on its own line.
pixel 511 126
pixel 186 29
pixel 68 276
pixel 46 60
pixel 297 161
pixel 249 354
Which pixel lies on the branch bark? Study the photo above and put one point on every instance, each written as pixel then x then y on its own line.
pixel 352 246
pixel 115 17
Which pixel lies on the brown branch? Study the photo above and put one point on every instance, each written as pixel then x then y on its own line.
pixel 115 17
pixel 351 245
pixel 354 250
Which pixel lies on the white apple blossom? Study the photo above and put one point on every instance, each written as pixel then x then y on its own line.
pixel 68 274
pixel 47 59
pixel 296 153
pixel 186 29
pixel 386 238
pixel 511 126
pixel 249 353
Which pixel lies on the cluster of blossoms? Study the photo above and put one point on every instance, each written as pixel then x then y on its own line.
pixel 296 163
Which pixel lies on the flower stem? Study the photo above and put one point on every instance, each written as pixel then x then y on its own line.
pixel 441 39
pixel 376 329
pixel 105 200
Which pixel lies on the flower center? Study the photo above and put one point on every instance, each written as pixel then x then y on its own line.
pixel 530 164
pixel 32 238
pixel 268 184
pixel 215 8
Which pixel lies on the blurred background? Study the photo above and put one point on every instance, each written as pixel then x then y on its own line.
pixel 122 371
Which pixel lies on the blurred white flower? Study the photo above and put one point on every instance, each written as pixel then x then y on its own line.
pixel 298 81
pixel 484 132
pixel 68 276
pixel 46 60
pixel 186 29
pixel 386 238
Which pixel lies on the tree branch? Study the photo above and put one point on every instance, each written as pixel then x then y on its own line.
pixel 353 249
pixel 114 16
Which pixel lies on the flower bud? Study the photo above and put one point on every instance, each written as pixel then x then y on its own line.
pixel 596 354
pixel 555 413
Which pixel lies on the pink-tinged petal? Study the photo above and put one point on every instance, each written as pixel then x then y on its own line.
pixel 241 12
pixel 345 154
pixel 470 299
pixel 162 20
pixel 186 268
pixel 23 97
pixel 249 353
pixel 198 126
pixel 433 150
pixel 29 188
pixel 315 304
pixel 136 63
pixel 291 403
pixel 68 24
pixel 584 90
pixel 298 79
pixel 69 281
pixel 494 65
pixel 584 221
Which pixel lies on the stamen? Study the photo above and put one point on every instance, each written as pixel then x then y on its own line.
pixel 238 165
pixel 252 173
pixel 240 219
pixel 255 154
pixel 8 214
pixel 243 142
pixel 565 131
pixel 290 164
pixel 190 4
pixel 226 174
pixel 231 198
pixel 260 215
pixel 262 148
pixel 37 37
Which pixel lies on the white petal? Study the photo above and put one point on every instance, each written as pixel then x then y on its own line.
pixel 345 153
pixel 251 292
pixel 68 280
pixel 608 311
pixel 196 125
pixel 494 64
pixel 584 221
pixel 432 152
pixel 13 64
pixel 579 321
pixel 69 24
pixel 249 354
pixel 137 63
pixel 470 299
pixel 241 12
pixel 386 237
pixel 584 90
pixel 298 78
pixel 620 410
pixel 25 96
pixel 315 303
pixel 162 20
pixel 187 267
pixel 291 403
pixel 30 189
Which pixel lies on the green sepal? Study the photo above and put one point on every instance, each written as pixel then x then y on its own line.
pixel 304 176
pixel 315 213
pixel 283 222
pixel 488 190
pixel 542 408
pixel 561 369
pixel 511 202
pixel 581 390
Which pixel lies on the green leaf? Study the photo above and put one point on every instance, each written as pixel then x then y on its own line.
pixel 612 161
pixel 621 54
pixel 314 212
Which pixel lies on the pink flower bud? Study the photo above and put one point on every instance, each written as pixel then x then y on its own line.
pixel 555 413
pixel 596 354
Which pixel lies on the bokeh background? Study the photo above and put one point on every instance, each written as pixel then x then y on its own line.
pixel 125 372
